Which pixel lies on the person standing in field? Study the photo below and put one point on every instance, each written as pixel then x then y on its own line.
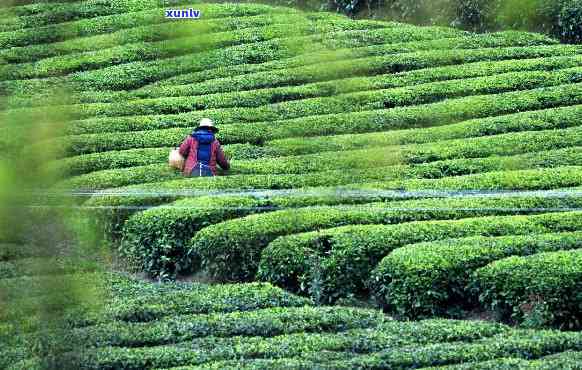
pixel 202 151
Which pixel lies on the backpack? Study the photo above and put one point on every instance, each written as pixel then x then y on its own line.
pixel 204 152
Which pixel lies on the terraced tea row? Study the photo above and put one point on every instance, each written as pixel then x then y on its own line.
pixel 336 56
pixel 124 20
pixel 117 78
pixel 557 118
pixel 390 168
pixel 565 176
pixel 151 32
pixel 432 278
pixel 369 338
pixel 391 59
pixel 561 360
pixel 407 353
pixel 435 114
pixel 496 145
pixel 341 336
pixel 33 15
pixel 354 251
pixel 315 73
pixel 157 240
pixel 543 287
pixel 145 51
pixel 114 206
pixel 263 106
pixel 306 74
pixel 553 118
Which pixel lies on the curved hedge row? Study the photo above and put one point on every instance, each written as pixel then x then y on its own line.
pixel 272 104
pixel 168 305
pixel 538 179
pixel 15 90
pixel 167 48
pixel 111 23
pixel 121 177
pixel 564 360
pixel 528 121
pixel 313 73
pixel 389 175
pixel 555 118
pixel 118 78
pixel 86 163
pixel 381 335
pixel 435 114
pixel 542 289
pixel 295 102
pixel 320 57
pixel 132 301
pixel 498 145
pixel 345 361
pixel 231 250
pixel 522 344
pixel 431 278
pixel 353 169
pixel 356 340
pixel 35 15
pixel 150 32
pixel 347 255
pixel 149 175
pixel 156 240
pixel 152 306
pixel 15 87
pixel 264 322
pixel 305 361
pixel 23 9
pixel 78 28
pixel 144 51
pixel 335 58
pixel 111 210
pixel 546 119
pixel 404 352
pixel 334 360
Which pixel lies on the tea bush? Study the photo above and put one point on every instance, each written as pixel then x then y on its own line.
pixel 356 169
pixel 350 253
pixel 435 114
pixel 429 278
pixel 157 240
pixel 106 24
pixel 111 211
pixel 543 289
pixel 552 118
pixel 314 73
pixel 230 251
pixel 524 344
pixel 261 105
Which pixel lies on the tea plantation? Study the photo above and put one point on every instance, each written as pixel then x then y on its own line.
pixel 389 182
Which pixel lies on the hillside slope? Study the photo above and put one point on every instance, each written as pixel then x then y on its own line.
pixel 349 140
pixel 433 170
